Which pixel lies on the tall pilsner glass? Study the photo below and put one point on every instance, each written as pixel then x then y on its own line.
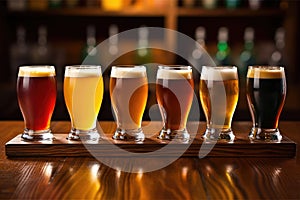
pixel 129 93
pixel 83 92
pixel 36 89
pixel 174 94
pixel 219 92
pixel 266 92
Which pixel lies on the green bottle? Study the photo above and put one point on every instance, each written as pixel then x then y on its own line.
pixel 223 54
pixel 90 52
pixel 143 54
pixel 277 57
pixel 247 56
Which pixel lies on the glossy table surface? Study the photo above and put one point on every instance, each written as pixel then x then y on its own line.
pixel 184 178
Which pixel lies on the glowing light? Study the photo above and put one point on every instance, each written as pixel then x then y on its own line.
pixel 94 170
pixel 48 170
pixel 184 172
pixel 140 174
pixel 118 172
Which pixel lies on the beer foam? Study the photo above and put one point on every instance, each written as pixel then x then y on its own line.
pixel 174 74
pixel 36 71
pixel 128 72
pixel 265 73
pixel 218 73
pixel 82 72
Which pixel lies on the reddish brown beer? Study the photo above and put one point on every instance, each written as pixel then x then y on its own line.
pixel 36 89
pixel 174 93
pixel 175 98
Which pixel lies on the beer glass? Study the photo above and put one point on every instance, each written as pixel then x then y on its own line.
pixel 83 93
pixel 36 91
pixel 219 92
pixel 174 94
pixel 266 92
pixel 128 93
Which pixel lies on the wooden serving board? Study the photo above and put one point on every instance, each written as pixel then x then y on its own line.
pixel 151 147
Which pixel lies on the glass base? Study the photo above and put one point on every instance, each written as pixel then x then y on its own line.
pixel 260 134
pixel 217 134
pixel 178 135
pixel 37 135
pixel 129 135
pixel 84 135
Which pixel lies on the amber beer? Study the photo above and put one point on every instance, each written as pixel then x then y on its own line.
pixel 129 93
pixel 36 90
pixel 219 92
pixel 266 92
pixel 174 93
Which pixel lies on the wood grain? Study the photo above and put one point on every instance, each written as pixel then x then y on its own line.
pixel 61 146
pixel 185 178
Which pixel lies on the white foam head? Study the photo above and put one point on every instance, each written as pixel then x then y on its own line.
pixel 219 73
pixel 265 72
pixel 128 72
pixel 169 73
pixel 83 71
pixel 36 71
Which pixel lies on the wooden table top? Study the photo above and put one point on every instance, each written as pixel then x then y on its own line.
pixel 185 178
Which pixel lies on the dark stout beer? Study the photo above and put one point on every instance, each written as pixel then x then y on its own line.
pixel 266 92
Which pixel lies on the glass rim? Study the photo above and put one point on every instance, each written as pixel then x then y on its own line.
pixel 266 67
pixel 128 71
pixel 83 66
pixel 128 66
pixel 37 66
pixel 221 67
pixel 175 67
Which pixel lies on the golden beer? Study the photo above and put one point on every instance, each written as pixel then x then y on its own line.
pixel 219 92
pixel 174 93
pixel 83 92
pixel 129 93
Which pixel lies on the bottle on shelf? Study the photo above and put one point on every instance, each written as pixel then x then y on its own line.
pixel 209 4
pixel 72 3
pixel 109 53
pixel 277 57
pixel 90 52
pixel 197 57
pixel 223 53
pixel 19 5
pixel 109 49
pixel 247 56
pixel 18 52
pixel 41 52
pixel 113 39
pixel 55 3
pixel 143 53
pixel 38 4
pixel 232 4
pixel 188 3
pixel 254 4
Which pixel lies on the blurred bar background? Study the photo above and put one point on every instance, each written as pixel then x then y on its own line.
pixel 63 32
